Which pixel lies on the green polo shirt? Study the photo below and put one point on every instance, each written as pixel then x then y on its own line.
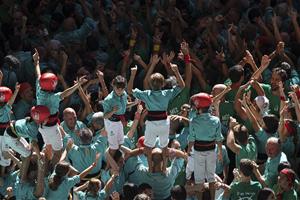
pixel 271 172
pixel 248 151
pixel 243 190
pixel 156 100
pixel 205 127
pixel 113 100
pixel 176 103
pixel 49 99
pixel 27 129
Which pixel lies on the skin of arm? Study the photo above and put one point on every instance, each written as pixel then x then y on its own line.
pixel 199 77
pixel 72 89
pixel 13 98
pixel 251 117
pixel 188 65
pixel 87 170
pixel 231 144
pixel 39 189
pixel 153 62
pixel 36 60
pixel 131 80
pixel 178 76
pixel 100 76
pixel 109 184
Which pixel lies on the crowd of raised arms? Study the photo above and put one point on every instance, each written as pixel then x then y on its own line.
pixel 149 99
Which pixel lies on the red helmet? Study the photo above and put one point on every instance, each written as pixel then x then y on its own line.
pixel 48 81
pixel 141 141
pixel 40 113
pixel 201 100
pixel 5 94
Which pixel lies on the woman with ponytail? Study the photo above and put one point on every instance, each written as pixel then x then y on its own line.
pixel 93 189
pixel 60 184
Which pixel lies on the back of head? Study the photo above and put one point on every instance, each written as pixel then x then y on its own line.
pixel 271 123
pixel 281 72
pixel 142 197
pixel 94 186
pixel 246 167
pixel 130 190
pixel 119 82
pixel 157 156
pixel 178 192
pixel 61 170
pixel 157 81
pixel 265 193
pixel 241 133
pixel 98 118
pixel 236 73
pixel 86 136
pixel 287 67
pixel 143 187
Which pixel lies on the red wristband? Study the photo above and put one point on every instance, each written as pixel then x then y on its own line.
pixel 282 98
pixel 137 116
pixel 187 59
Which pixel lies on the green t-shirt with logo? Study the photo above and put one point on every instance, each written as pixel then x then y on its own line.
pixel 243 190
pixel 176 103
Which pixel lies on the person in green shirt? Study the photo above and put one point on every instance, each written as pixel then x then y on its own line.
pixel 245 188
pixel 284 189
pixel 245 148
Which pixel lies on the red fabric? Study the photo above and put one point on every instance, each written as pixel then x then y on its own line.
pixel 5 94
pixel 40 113
pixel 48 81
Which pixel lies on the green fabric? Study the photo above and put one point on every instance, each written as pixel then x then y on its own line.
pixel 220 165
pixel 114 100
pixel 226 110
pixel 101 195
pixel 242 190
pixel 289 195
pixel 248 151
pixel 262 138
pixel 5 113
pixel 271 172
pixel 156 100
pixel 205 127
pixel 176 103
pixel 274 100
pixel 73 133
pixel 26 129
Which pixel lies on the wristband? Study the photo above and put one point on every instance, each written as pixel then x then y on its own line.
pixel 187 59
pixel 132 42
pixel 282 98
pixel 156 47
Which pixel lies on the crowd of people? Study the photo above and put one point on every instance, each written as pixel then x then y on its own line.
pixel 149 99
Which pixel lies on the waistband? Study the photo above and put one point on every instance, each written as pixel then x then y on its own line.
pixel 11 131
pixel 156 115
pixel 200 145
pixel 117 118
pixel 4 125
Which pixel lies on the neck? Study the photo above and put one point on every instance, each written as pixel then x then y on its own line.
pixel 235 85
pixel 246 179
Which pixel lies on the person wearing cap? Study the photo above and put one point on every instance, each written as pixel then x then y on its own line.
pixel 22 107
pixel 205 133
pixel 81 156
pixel 18 131
pixel 45 95
pixel 71 126
pixel 7 99
pixel 156 101
pixel 285 187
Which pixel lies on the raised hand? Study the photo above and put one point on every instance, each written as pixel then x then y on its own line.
pixel 174 68
pixel 133 70
pixel 100 74
pixel 82 80
pixel 265 61
pixel 36 57
pixel 280 48
pixel 184 47
pixel 154 59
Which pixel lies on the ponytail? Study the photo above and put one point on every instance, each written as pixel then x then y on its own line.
pixel 61 170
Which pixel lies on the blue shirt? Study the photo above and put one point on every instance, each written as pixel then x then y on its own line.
pixel 49 99
pixel 220 165
pixel 27 129
pixel 101 195
pixel 156 100
pixel 72 133
pixel 83 156
pixel 24 190
pixel 63 189
pixel 5 113
pixel 205 127
pixel 113 100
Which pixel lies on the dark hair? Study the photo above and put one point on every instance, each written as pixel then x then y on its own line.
pixel 287 68
pixel 178 192
pixel 246 167
pixel 92 43
pixel 68 9
pixel 142 197
pixel 130 190
pixel 283 165
pixel 61 169
pixel 236 73
pixel 119 82
pixel 144 186
pixel 94 186
pixel 253 13
pixel 282 73
pixel 241 134
pixel 271 123
pixel 15 42
pixel 86 136
pixel 264 193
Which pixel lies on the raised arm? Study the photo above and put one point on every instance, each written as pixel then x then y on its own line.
pixel 13 98
pixel 109 184
pixel 131 80
pixel 230 142
pixel 72 89
pixel 276 29
pixel 293 14
pixel 104 89
pixel 250 115
pixel 265 61
pixel 135 123
pixel 188 64
pixel 36 62
pixel 153 62
pixel 140 61
pixel 178 76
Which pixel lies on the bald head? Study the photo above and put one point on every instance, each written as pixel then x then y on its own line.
pixel 217 89
pixel 70 118
pixel 69 111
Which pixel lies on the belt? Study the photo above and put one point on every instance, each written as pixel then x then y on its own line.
pixel 200 145
pixel 11 131
pixel 156 115
pixel 117 118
